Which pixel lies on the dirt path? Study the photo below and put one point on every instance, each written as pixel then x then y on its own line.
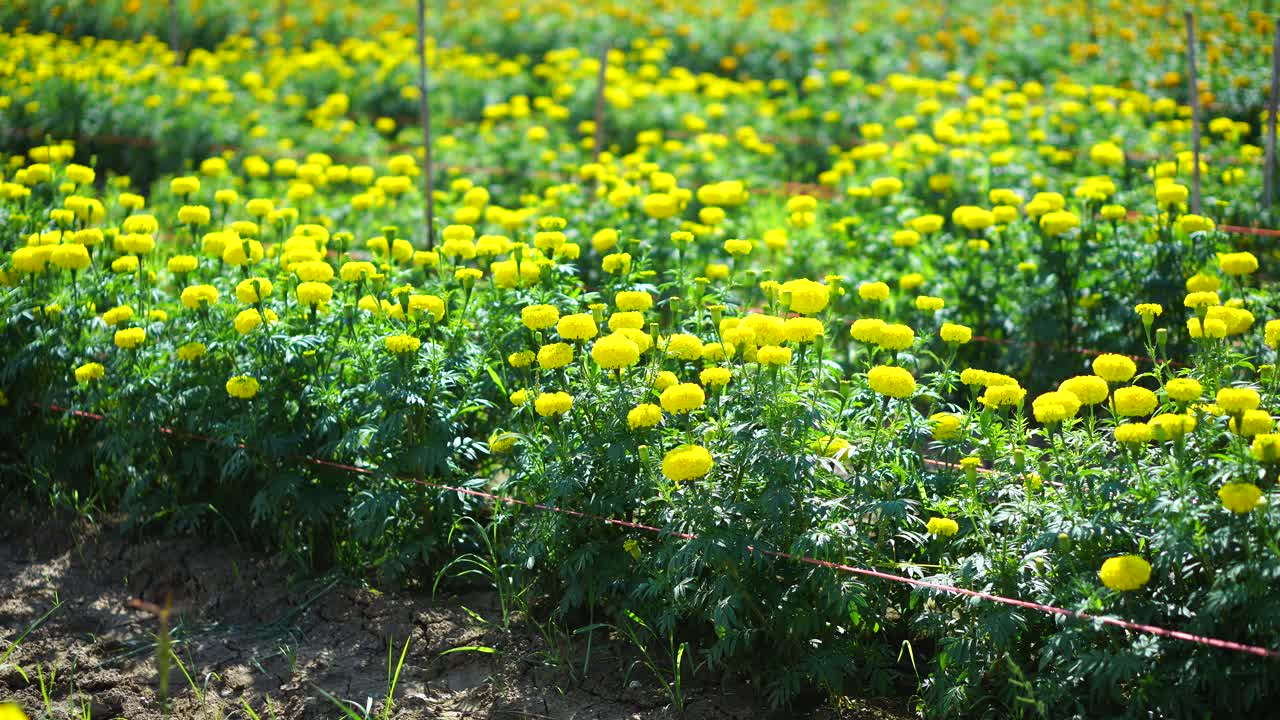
pixel 245 633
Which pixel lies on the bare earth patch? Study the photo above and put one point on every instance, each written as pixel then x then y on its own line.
pixel 246 633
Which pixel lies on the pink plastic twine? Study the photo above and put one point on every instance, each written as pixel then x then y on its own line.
pixel 940 587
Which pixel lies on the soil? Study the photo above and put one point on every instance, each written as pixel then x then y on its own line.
pixel 247 634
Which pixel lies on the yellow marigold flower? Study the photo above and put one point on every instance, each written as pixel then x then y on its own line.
pixel 1202 283
pixel 737 248
pixel 1058 222
pixel 926 224
pixel 242 386
pixel 1055 406
pixel 1134 433
pixel 1107 153
pixel 137 243
pixel 433 304
pixel 579 326
pixel 556 403
pixel 1125 572
pixel 807 297
pixel 1194 223
pixel 1240 497
pixel 555 355
pixel 715 376
pixel 519 397
pixel 71 257
pixel 998 396
pixel 183 186
pixel 196 296
pixel 1113 213
pixel 1134 401
pixel 641 339
pixel 192 351
pixel 1197 300
pixel 1272 332
pixel 1114 368
pixel 616 263
pixel 117 315
pixel 682 398
pixel 521 359
pixel 630 319
pixel 942 527
pixel 830 446
pixel 314 271
pixel 1237 400
pixel 955 334
pixel 660 205
pixel 182 263
pixel 644 415
pixel 1215 328
pixel 314 293
pixel 239 252
pixel 501 442
pixel 867 330
pixel 467 276
pixel 539 317
pixel 401 344
pixel 613 352
pixel 197 215
pixel 945 426
pixel 1238 263
pixel 684 347
pixel 873 291
pixel 633 301
pixel 664 380
pixel 1088 389
pixel 892 381
pixel 687 462
pixel 247 321
pixel 766 329
pixel 803 329
pixel 1252 422
pixel 140 225
pixel 1236 320
pixel 773 355
pixel 89 372
pixel 80 174
pixel 905 238
pixel 896 337
pixel 1266 447
pixel 130 338
pixel 1183 389
pixel 1171 193
pixel 926 303
pixel 1149 311
pixel 604 240
pixel 253 290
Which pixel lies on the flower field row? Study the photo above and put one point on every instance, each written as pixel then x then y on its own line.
pixel 882 371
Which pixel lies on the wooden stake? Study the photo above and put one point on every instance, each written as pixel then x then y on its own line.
pixel 173 32
pixel 424 116
pixel 598 144
pixel 1194 88
pixel 1269 174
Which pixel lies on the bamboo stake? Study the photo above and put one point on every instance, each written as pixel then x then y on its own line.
pixel 598 143
pixel 1194 88
pixel 424 113
pixel 1269 174
pixel 173 32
